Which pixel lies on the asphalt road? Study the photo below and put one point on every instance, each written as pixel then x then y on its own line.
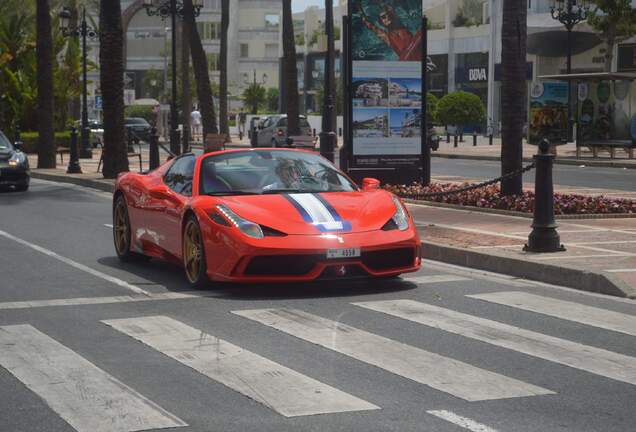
pixel 566 175
pixel 89 344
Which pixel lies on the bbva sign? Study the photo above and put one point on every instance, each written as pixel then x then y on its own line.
pixel 477 74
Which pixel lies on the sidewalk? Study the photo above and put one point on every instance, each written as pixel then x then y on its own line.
pixel 566 154
pixel 600 256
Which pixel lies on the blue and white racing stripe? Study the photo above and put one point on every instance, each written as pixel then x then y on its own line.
pixel 317 211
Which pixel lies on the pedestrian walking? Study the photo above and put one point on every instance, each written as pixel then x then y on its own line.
pixel 242 120
pixel 195 123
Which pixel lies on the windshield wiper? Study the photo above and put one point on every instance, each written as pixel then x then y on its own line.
pixel 234 192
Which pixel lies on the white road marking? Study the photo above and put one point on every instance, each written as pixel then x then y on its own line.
pixel 562 309
pixel 86 397
pixel 108 225
pixel 480 274
pixel 435 279
pixel 441 373
pixel 78 301
pixel 463 422
pixel 75 264
pixel 594 360
pixel 279 388
pixel 629 270
pixel 471 230
pixel 92 191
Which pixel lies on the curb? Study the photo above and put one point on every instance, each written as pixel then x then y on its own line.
pixel 557 161
pixel 571 277
pixel 102 185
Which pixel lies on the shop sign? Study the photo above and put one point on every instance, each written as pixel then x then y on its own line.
pixel 477 74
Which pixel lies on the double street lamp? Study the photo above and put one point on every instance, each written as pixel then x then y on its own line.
pixel 569 13
pixel 85 32
pixel 172 9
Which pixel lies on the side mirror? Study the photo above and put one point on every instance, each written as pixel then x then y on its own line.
pixel 160 192
pixel 370 184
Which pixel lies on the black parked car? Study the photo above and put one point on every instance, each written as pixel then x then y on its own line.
pixel 139 128
pixel 14 166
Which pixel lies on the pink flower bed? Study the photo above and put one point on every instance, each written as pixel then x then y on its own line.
pixel 490 197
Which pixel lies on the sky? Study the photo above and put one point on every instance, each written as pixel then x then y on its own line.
pixel 301 5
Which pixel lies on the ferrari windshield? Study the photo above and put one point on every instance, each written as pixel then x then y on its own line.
pixel 270 172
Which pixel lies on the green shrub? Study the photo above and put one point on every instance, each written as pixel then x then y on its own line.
pixel 460 108
pixel 30 140
pixel 143 111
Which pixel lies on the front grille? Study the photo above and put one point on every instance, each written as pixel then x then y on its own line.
pixel 281 265
pixel 350 271
pixel 389 258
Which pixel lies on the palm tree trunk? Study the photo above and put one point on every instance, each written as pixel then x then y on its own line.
pixel 200 64
pixel 290 71
pixel 186 97
pixel 513 91
pixel 44 50
pixel 225 22
pixel 111 60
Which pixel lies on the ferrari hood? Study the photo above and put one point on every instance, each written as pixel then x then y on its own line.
pixel 315 213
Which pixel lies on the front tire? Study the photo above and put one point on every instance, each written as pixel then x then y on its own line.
pixel 122 232
pixel 194 262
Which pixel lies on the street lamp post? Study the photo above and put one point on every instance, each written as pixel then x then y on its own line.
pixel 84 31
pixel 569 13
pixel 328 136
pixel 172 9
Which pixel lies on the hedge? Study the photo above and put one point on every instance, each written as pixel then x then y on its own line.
pixel 30 140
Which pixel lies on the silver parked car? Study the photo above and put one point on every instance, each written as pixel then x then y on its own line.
pixel 272 132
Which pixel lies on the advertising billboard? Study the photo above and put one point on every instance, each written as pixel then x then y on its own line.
pixel 386 51
pixel 548 112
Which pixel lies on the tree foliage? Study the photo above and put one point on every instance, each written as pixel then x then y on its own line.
pixel 615 21
pixel 460 108
pixel 255 97
pixel 272 99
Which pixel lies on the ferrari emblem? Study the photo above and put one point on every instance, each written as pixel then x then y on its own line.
pixel 341 270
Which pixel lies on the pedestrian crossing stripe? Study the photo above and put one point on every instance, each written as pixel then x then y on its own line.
pixel 570 311
pixel 590 359
pixel 279 388
pixel 431 279
pixel 441 373
pixel 86 397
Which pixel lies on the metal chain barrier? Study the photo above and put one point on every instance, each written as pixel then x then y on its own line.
pixel 478 185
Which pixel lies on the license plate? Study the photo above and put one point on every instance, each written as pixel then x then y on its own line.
pixel 343 253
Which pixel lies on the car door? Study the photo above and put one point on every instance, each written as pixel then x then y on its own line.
pixel 265 134
pixel 178 179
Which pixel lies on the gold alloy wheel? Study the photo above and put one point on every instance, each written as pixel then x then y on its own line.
pixel 192 256
pixel 121 228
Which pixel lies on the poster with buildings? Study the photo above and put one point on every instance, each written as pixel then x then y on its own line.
pixel 386 82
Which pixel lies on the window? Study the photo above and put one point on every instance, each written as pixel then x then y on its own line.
pixel 245 50
pixel 271 50
pixel 213 61
pixel 272 21
pixel 179 176
pixel 209 30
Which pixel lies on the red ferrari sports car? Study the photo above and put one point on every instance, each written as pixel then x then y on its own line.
pixel 260 215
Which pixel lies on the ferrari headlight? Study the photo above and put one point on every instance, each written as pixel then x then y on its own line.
pixel 400 218
pixel 248 228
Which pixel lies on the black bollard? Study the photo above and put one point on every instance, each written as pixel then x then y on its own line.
pixel 154 149
pixel 544 236
pixel 490 139
pixel 447 137
pixel 73 163
pixel 455 140
pixel 474 138
pixel 461 136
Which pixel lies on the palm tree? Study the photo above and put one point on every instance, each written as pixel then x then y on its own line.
pixel 111 72
pixel 290 73
pixel 202 78
pixel 46 144
pixel 225 22
pixel 513 91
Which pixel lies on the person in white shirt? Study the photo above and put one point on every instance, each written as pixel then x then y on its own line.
pixel 195 123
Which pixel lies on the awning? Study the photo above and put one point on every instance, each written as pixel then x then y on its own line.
pixel 553 43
